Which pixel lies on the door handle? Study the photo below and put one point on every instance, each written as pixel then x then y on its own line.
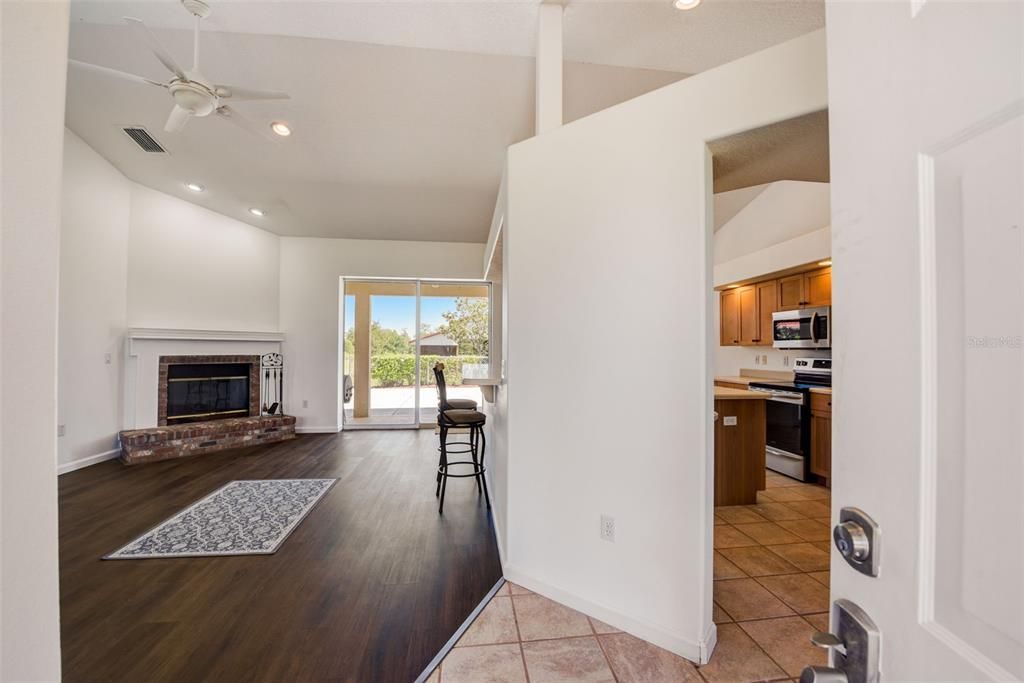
pixel 853 648
pixel 814 327
pixel 823 674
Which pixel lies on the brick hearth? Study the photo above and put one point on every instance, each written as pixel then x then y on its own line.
pixel 196 438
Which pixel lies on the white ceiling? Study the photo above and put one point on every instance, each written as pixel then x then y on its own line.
pixel 402 111
pixel 794 149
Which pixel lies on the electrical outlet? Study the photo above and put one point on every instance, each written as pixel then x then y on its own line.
pixel 785 361
pixel 764 359
pixel 607 528
pixel 757 360
pixel 729 421
pixel 107 359
pixel 60 430
pixel 305 403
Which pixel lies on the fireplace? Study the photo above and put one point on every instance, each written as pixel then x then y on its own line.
pixel 205 388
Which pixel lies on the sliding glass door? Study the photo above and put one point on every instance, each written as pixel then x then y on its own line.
pixel 395 331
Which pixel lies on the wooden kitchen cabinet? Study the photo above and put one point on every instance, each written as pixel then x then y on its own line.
pixel 750 321
pixel 821 436
pixel 818 287
pixel 730 312
pixel 767 303
pixel 791 292
pixel 746 312
pixel 806 290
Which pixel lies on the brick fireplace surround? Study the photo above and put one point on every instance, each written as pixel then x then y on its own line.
pixel 167 442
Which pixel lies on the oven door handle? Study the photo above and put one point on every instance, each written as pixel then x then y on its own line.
pixel 814 327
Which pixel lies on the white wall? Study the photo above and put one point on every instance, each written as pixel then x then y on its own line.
pixel 785 226
pixel 191 268
pixel 33 54
pixel 784 210
pixel 93 302
pixel 134 257
pixel 609 228
pixel 311 269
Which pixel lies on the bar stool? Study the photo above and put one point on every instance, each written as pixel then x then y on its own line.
pixel 449 417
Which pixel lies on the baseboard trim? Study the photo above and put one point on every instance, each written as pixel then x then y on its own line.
pixel 707 644
pixel 317 430
pixel 89 460
pixel 688 649
pixel 458 633
pixel 495 521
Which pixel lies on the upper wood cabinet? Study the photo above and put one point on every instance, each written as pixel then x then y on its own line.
pixel 767 303
pixel 730 327
pixel 749 319
pixel 791 292
pixel 804 290
pixel 818 286
pixel 747 311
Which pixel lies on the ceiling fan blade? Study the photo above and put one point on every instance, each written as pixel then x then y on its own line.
pixel 236 93
pixel 163 55
pixel 242 121
pixel 177 120
pixel 96 68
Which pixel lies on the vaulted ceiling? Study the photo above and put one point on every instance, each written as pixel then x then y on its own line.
pixel 401 111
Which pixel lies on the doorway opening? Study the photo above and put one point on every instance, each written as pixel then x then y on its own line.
pixel 772 368
pixel 395 331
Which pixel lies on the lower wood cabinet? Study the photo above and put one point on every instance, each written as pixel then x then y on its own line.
pixel 821 436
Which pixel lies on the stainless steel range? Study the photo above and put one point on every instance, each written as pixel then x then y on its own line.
pixel 788 416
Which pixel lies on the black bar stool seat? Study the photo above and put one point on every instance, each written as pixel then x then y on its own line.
pixel 462 403
pixel 464 418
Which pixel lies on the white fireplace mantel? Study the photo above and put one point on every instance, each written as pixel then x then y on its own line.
pixel 202 335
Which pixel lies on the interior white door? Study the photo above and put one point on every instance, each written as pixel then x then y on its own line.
pixel 927 152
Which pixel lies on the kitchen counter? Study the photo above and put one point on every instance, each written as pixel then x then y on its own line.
pixel 736 380
pixel 728 393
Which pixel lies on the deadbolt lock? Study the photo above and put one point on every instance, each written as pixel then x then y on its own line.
pixel 857 539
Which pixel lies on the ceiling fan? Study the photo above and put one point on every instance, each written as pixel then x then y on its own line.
pixel 193 93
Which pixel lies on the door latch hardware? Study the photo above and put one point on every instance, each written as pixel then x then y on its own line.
pixel 853 649
pixel 857 537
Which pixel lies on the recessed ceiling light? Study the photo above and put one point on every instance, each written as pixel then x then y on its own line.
pixel 195 187
pixel 257 212
pixel 686 4
pixel 281 128
pixel 826 262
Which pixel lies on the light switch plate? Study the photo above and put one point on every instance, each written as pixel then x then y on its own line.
pixel 729 421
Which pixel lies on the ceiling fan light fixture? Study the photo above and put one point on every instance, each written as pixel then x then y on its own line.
pixel 195 187
pixel 257 212
pixel 281 128
pixel 686 4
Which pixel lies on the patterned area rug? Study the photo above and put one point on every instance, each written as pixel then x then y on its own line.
pixel 240 518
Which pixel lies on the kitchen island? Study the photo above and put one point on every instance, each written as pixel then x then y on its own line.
pixel 739 446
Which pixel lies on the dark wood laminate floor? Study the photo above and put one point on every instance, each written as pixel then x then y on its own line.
pixel 368 588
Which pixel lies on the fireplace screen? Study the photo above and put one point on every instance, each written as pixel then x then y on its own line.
pixel 207 391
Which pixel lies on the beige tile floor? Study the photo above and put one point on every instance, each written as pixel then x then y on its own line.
pixel 770 593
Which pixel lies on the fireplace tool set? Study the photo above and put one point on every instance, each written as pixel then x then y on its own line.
pixel 272 384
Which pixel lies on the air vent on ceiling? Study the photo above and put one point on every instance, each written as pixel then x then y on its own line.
pixel 144 140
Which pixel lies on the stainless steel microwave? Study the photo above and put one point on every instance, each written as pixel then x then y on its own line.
pixel 807 328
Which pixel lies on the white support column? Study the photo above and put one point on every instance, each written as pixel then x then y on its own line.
pixel 549 68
